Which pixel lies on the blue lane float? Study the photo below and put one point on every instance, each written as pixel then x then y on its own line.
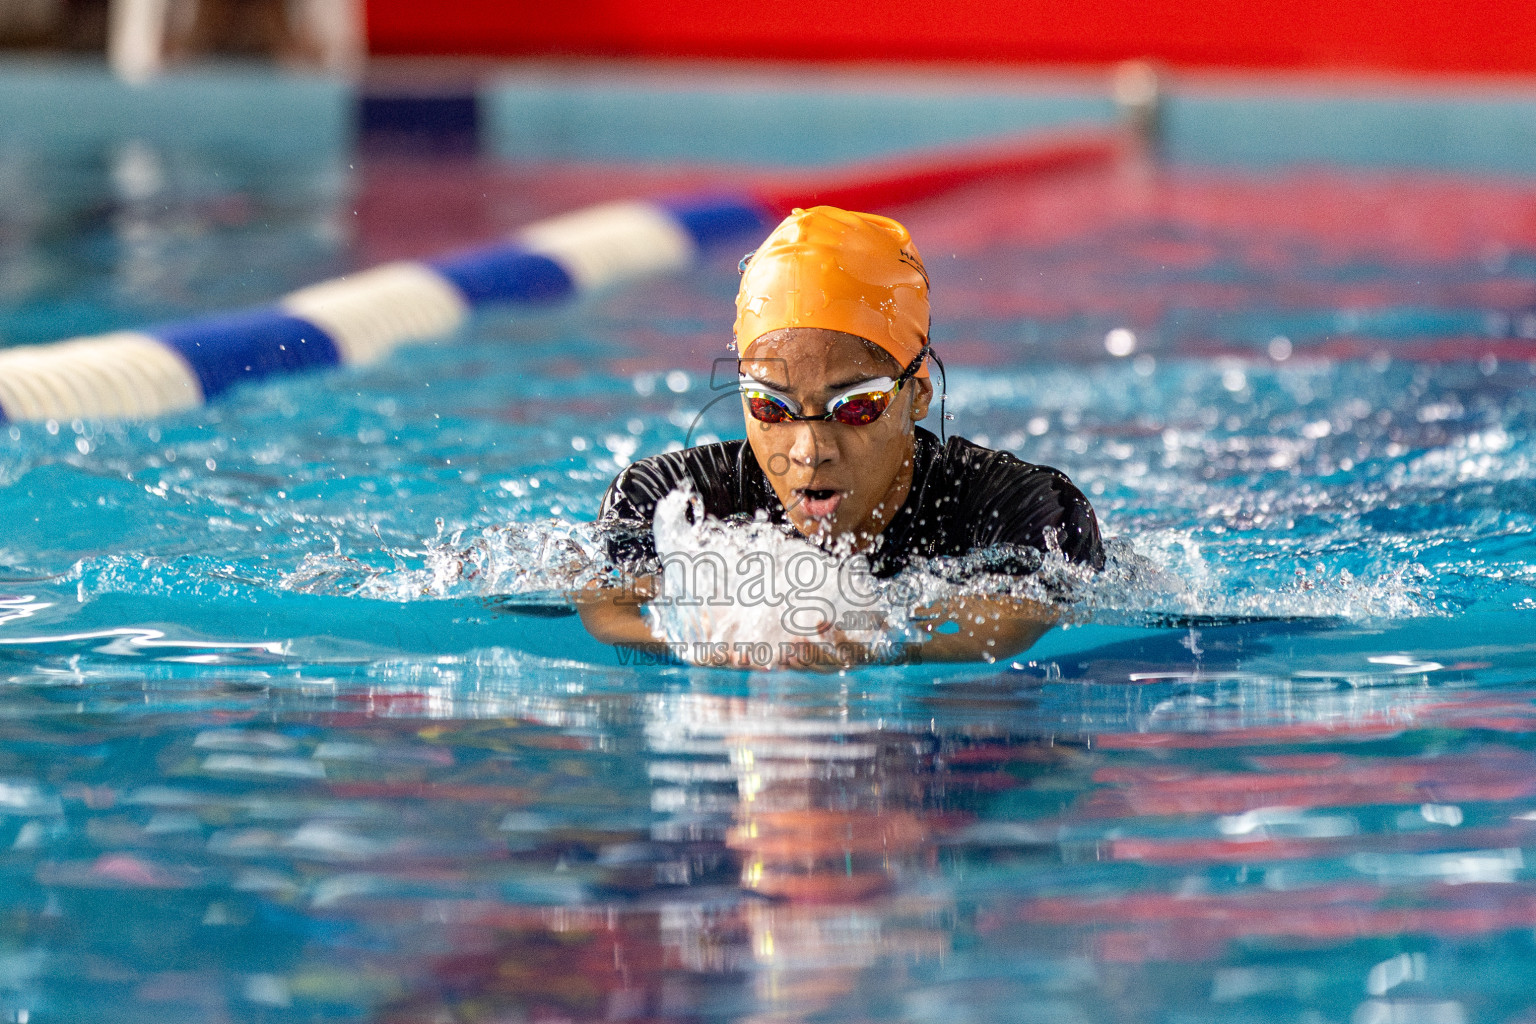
pixel 224 351
pixel 505 273
pixel 360 318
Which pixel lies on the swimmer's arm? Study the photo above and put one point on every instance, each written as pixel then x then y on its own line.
pixel 989 628
pixel 613 614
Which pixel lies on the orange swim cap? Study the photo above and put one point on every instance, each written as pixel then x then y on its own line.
pixel 858 273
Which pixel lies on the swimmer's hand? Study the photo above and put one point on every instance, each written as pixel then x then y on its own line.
pixel 983 628
pixel 612 614
pixel 829 651
pixel 960 629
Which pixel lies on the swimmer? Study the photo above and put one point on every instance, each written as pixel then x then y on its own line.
pixel 832 332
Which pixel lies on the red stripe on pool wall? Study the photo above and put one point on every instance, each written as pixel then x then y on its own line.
pixel 1478 36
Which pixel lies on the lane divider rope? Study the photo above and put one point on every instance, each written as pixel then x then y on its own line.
pixel 361 318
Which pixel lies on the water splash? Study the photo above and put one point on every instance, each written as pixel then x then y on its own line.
pixel 517 558
pixel 725 582
pixel 1162 577
pixel 734 581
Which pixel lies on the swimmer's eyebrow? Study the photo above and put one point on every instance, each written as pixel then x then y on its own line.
pixel 841 386
pixel 855 382
pixel 747 378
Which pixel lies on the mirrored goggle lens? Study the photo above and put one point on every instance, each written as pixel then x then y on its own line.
pixel 858 410
pixel 767 408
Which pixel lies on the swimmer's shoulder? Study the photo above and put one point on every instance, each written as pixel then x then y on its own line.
pixel 1009 500
pixel 963 464
pixel 712 470
pixel 967 460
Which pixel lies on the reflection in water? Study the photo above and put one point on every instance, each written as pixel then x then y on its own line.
pixel 502 837
pixel 830 824
pixel 790 852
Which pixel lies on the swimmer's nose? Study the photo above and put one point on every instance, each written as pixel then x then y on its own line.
pixel 812 446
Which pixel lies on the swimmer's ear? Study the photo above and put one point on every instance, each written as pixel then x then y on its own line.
pixel 921 396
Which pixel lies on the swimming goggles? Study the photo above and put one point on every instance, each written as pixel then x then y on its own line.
pixel 859 406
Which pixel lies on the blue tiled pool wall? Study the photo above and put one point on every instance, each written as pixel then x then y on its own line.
pixel 795 117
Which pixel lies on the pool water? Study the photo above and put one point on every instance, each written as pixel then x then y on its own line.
pixel 294 730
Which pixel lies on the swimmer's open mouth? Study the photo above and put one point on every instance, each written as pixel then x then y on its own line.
pixel 819 502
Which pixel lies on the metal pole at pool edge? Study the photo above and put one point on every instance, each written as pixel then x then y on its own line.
pixel 360 318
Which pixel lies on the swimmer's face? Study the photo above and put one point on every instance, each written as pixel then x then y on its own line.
pixel 833 479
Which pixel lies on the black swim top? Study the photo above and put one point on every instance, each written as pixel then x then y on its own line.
pixel 964 498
